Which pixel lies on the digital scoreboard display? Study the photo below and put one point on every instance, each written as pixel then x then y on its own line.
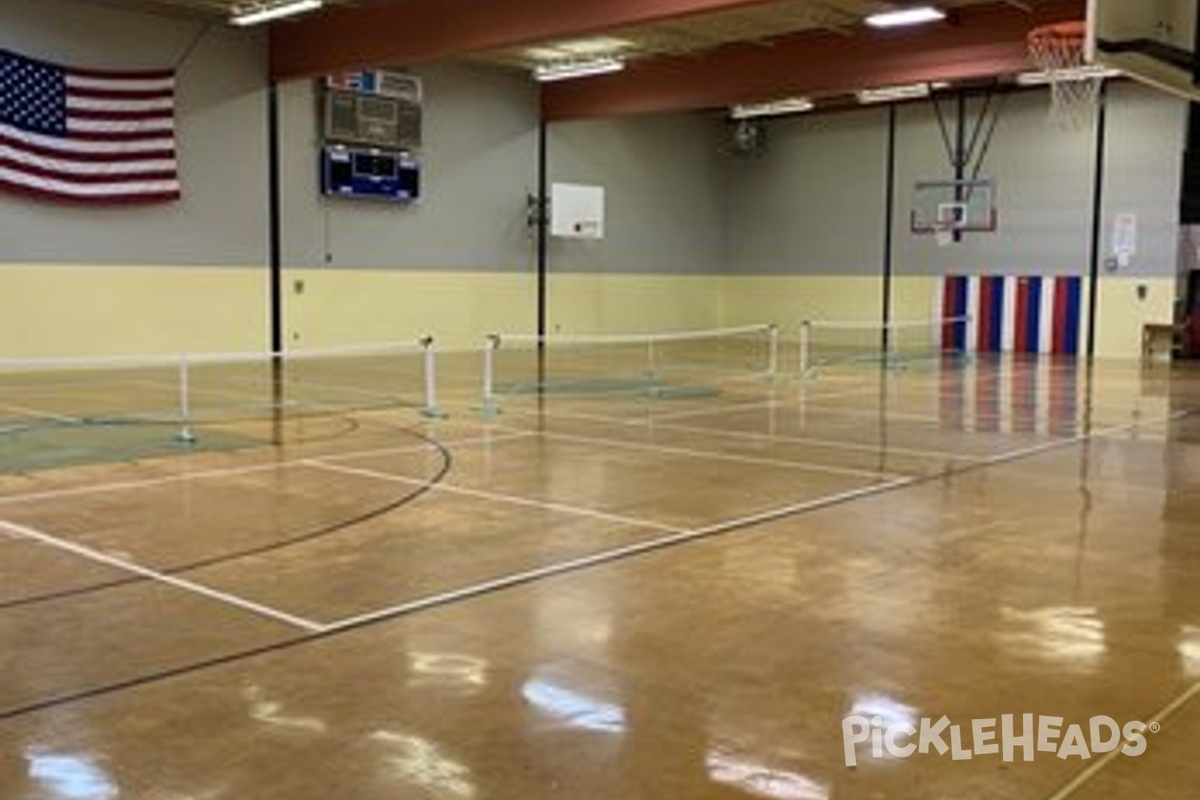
pixel 369 174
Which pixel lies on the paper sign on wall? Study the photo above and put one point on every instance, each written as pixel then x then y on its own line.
pixel 1124 239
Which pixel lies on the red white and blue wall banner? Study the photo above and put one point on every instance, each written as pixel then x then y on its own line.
pixel 1012 314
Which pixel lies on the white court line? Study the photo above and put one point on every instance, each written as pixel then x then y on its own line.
pixel 802 466
pixel 872 413
pixel 33 412
pixel 542 505
pixel 785 399
pixel 678 537
pixel 769 437
pixel 712 409
pixel 1095 767
pixel 88 553
pixel 857 446
pixel 1095 433
pixel 223 472
pixel 606 556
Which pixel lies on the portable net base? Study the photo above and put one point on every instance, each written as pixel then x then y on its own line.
pixel 1058 52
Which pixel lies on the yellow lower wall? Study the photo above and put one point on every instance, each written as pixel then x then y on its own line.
pixel 327 307
pixel 64 311
pixel 1122 313
pixel 590 303
pixel 459 309
pixel 788 300
pixel 48 311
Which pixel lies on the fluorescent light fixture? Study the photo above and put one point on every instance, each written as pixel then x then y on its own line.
pixel 578 49
pixel 1088 72
pixel 790 105
pixel 254 14
pixel 577 69
pixel 906 16
pixel 890 94
pixel 595 46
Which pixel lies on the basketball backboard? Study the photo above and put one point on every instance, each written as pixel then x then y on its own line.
pixel 1152 41
pixel 955 206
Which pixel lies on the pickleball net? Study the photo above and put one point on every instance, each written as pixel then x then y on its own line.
pixel 831 344
pixel 662 365
pixel 110 402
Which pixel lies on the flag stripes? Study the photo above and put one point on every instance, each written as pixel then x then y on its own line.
pixel 91 136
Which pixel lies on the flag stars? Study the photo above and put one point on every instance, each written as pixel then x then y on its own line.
pixel 32 95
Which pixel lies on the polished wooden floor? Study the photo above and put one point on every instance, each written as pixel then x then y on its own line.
pixel 603 598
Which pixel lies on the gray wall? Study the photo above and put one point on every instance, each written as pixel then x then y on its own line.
pixel 676 202
pixel 1147 134
pixel 478 164
pixel 1045 179
pixel 664 192
pixel 221 136
pixel 1043 184
pixel 814 202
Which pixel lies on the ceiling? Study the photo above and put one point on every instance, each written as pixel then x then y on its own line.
pixel 759 24
pixel 681 53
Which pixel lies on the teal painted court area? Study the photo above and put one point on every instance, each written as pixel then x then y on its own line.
pixel 28 448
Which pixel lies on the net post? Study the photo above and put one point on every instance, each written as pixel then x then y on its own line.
pixel 805 345
pixel 773 352
pixel 431 407
pixel 185 435
pixel 490 346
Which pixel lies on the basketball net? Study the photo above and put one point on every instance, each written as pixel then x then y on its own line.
pixel 1058 51
pixel 943 233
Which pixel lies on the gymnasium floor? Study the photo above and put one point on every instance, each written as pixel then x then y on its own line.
pixel 586 597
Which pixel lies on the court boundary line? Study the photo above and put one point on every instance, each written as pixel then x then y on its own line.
pixel 1089 772
pixel 334 628
pixel 220 472
pixel 697 412
pixel 684 536
pixel 803 406
pixel 802 466
pixel 41 416
pixel 681 536
pixel 291 541
pixel 482 494
pixel 824 443
pixel 182 584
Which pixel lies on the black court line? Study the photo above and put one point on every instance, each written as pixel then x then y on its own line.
pixel 720 529
pixel 319 533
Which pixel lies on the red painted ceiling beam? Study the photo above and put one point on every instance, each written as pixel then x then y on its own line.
pixel 405 32
pixel 978 42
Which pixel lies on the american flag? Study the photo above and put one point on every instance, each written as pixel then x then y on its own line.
pixel 86 136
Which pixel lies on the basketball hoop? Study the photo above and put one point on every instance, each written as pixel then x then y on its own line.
pixel 943 232
pixel 1058 52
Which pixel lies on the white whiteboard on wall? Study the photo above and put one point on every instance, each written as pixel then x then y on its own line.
pixel 576 211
